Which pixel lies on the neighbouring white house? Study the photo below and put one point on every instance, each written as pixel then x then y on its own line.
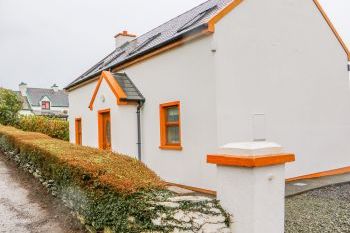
pixel 225 71
pixel 43 101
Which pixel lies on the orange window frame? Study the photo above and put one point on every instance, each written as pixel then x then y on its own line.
pixel 78 131
pixel 164 124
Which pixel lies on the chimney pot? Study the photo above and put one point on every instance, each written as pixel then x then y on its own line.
pixel 123 37
pixel 55 88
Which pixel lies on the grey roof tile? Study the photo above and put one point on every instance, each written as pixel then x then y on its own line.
pixel 58 99
pixel 128 87
pixel 162 34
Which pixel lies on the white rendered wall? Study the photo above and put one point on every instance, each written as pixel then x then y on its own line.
pixel 79 100
pixel 183 74
pixel 59 109
pixel 25 112
pixel 280 58
pixel 123 120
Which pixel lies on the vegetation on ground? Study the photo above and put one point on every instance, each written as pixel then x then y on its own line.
pixel 104 188
pixel 10 105
pixel 107 191
pixel 88 166
pixel 53 127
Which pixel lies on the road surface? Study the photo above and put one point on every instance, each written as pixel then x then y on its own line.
pixel 26 207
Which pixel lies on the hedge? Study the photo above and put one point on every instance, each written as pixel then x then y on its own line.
pixel 105 189
pixel 52 127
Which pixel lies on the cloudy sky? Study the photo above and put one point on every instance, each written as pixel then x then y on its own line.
pixel 43 42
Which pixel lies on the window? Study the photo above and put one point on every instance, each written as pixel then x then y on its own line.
pixel 144 44
pixel 78 131
pixel 196 19
pixel 110 59
pixel 170 127
pixel 45 105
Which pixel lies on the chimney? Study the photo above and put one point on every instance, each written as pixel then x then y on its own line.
pixel 123 37
pixel 23 88
pixel 55 88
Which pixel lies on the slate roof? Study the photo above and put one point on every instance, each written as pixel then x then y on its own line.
pixel 131 91
pixel 58 99
pixel 184 24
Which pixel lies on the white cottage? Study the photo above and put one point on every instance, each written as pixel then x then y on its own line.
pixel 224 71
pixel 43 101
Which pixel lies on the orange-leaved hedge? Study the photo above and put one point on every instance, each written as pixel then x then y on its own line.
pixel 53 127
pixel 118 172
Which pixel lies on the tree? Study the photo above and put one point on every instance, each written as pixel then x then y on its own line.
pixel 10 105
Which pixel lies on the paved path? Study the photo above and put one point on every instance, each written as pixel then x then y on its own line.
pixel 301 186
pixel 22 208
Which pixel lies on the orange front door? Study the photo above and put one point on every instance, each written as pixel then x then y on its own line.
pixel 104 130
pixel 78 133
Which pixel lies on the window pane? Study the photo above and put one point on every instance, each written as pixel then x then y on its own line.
pixel 172 114
pixel 173 135
pixel 108 132
pixel 45 105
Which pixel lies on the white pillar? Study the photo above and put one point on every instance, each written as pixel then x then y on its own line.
pixel 251 185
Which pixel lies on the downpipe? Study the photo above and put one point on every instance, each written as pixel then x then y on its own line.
pixel 139 142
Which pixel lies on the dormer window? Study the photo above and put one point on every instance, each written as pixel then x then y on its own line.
pixel 45 105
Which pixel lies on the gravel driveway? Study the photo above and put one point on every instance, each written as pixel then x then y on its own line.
pixel 325 210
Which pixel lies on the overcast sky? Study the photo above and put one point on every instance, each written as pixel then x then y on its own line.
pixel 43 42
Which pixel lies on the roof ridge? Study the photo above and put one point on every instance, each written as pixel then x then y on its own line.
pixel 203 3
pixel 42 88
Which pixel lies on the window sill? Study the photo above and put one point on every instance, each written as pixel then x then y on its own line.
pixel 169 147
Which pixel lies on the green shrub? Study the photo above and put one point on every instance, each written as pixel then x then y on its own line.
pixel 105 188
pixel 10 105
pixel 122 173
pixel 108 192
pixel 52 127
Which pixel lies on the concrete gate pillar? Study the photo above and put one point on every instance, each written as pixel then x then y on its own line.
pixel 251 185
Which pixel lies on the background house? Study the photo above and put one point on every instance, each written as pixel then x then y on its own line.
pixel 42 101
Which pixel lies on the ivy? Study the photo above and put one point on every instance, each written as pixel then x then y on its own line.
pixel 100 206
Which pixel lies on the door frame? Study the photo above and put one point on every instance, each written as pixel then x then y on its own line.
pixel 78 131
pixel 100 114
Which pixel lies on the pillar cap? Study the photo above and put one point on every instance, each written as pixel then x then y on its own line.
pixel 251 148
pixel 250 160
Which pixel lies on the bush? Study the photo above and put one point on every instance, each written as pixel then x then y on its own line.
pixel 119 172
pixel 10 105
pixel 105 188
pixel 52 127
pixel 109 192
